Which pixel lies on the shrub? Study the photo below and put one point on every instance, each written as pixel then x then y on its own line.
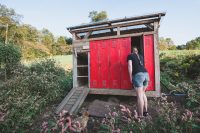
pixel 181 74
pixel 168 119
pixel 10 55
pixel 29 90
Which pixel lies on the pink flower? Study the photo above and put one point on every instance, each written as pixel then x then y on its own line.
pixel 128 111
pixel 123 110
pixel 118 130
pixel 114 114
pixel 122 106
pixel 45 125
pixel 188 113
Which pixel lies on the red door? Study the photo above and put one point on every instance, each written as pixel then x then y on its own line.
pixel 108 63
pixel 103 63
pixel 149 59
pixel 125 50
pixel 94 66
pixel 114 68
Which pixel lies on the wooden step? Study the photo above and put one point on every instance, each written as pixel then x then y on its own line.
pixel 73 101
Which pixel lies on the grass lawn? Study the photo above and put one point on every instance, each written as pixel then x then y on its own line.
pixel 65 61
pixel 180 52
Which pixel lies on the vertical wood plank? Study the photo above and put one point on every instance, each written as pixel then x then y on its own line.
pixel 75 84
pixel 89 69
pixel 118 31
pixel 94 64
pixel 149 60
pixel 157 60
pixel 103 63
pixel 125 50
pixel 114 67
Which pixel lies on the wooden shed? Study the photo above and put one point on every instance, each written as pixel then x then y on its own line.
pixel 100 53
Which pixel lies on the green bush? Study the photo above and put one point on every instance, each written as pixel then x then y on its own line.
pixel 181 74
pixel 29 90
pixel 10 55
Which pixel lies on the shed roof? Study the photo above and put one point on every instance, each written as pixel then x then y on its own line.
pixel 127 24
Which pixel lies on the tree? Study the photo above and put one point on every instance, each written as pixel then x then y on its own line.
pixel 32 34
pixel 181 47
pixel 193 44
pixel 8 16
pixel 61 40
pixel 166 44
pixel 62 46
pixel 98 16
pixel 48 39
pixel 69 40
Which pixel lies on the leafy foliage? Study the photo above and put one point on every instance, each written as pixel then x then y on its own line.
pixel 98 16
pixel 193 44
pixel 26 36
pixel 180 73
pixel 29 90
pixel 120 119
pixel 8 16
pixel 10 55
pixel 166 44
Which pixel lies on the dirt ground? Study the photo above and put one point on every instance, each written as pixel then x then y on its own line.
pixel 94 121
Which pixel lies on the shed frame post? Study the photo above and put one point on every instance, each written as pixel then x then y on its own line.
pixel 89 69
pixel 75 84
pixel 157 60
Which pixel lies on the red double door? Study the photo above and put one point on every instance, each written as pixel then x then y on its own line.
pixel 149 62
pixel 108 63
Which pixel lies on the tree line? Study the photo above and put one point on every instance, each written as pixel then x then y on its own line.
pixel 39 43
pixel 168 44
pixel 31 40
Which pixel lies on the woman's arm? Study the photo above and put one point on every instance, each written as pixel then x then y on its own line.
pixel 130 69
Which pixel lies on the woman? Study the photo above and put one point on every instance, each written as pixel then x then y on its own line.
pixel 139 78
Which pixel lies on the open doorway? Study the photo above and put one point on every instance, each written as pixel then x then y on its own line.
pixel 137 41
pixel 82 69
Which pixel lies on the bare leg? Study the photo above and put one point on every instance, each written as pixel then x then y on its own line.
pixel 145 100
pixel 140 100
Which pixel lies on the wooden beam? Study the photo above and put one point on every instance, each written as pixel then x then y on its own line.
pixel 89 69
pixel 114 26
pixel 111 29
pixel 118 31
pixel 87 35
pixel 75 36
pixel 156 15
pixel 149 26
pixel 122 32
pixel 120 36
pixel 75 84
pixel 80 45
pixel 105 91
pixel 157 60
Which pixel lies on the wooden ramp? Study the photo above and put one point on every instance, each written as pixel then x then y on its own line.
pixel 73 100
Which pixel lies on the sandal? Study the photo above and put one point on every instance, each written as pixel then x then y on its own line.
pixel 145 114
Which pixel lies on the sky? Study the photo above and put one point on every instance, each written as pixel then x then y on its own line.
pixel 181 23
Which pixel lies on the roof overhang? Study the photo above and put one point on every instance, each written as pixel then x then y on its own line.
pixel 123 24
